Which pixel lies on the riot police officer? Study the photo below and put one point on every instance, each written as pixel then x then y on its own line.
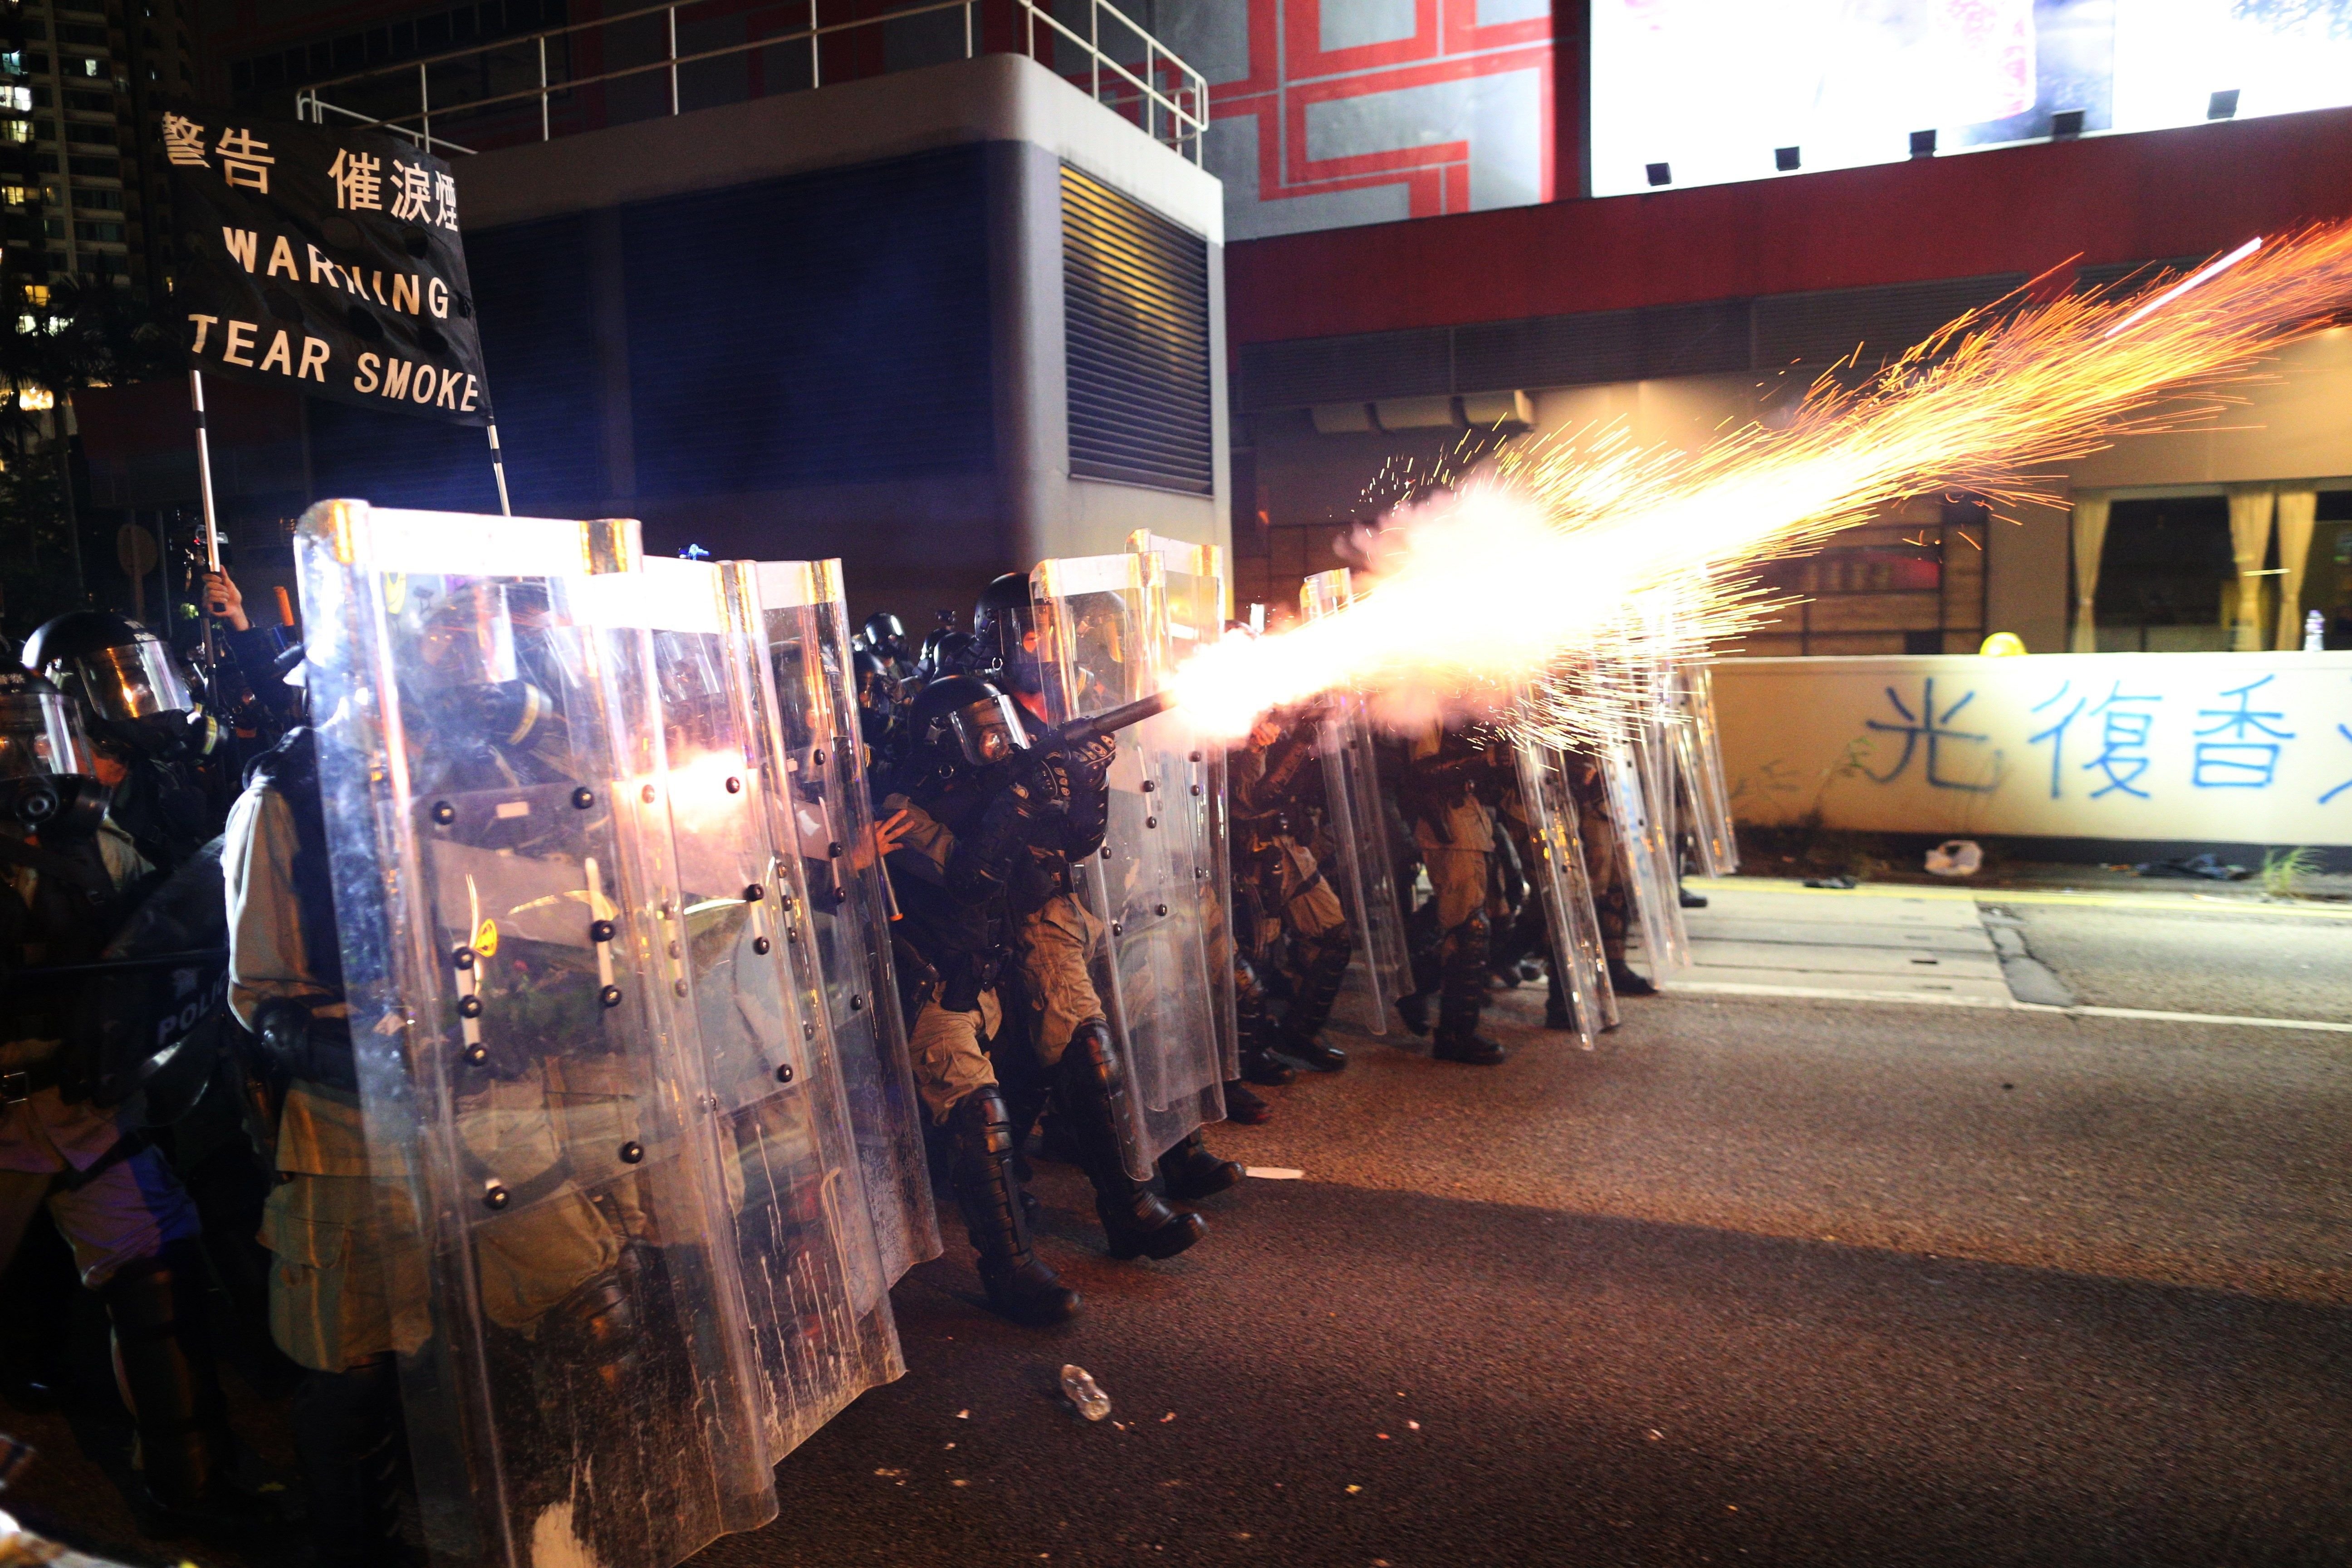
pixel 880 703
pixel 152 738
pixel 493 690
pixel 263 656
pixel 331 1306
pixel 883 635
pixel 1604 866
pixel 1446 790
pixel 1280 890
pixel 68 875
pixel 1054 938
pixel 946 650
pixel 971 801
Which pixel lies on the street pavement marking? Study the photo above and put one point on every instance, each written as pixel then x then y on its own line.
pixel 1745 926
pixel 2190 903
pixel 1974 996
pixel 1677 987
pixel 1842 958
pixel 2080 1012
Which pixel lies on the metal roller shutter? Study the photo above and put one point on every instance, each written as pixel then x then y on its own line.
pixel 1136 322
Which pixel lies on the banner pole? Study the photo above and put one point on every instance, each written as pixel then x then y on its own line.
pixel 212 521
pixel 204 470
pixel 498 467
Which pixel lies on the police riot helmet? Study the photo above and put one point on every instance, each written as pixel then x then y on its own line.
pixel 482 663
pixel 1004 640
pixel 47 783
pixel 884 634
pixel 962 722
pixel 945 652
pixel 878 692
pixel 127 679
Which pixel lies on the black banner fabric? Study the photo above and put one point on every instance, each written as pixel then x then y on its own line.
pixel 326 261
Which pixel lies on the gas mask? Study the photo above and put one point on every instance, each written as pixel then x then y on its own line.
pixel 989 730
pixel 45 783
pixel 467 672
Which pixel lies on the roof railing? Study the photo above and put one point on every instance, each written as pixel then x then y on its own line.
pixel 1129 71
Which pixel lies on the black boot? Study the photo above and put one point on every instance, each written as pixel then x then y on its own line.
pixel 1313 1053
pixel 1413 1009
pixel 346 1428
pixel 1246 1108
pixel 1625 981
pixel 1324 971
pixel 1558 1013
pixel 163 1348
pixel 1020 1286
pixel 1189 1172
pixel 1093 1089
pixel 1259 1064
pixel 1428 971
pixel 1464 998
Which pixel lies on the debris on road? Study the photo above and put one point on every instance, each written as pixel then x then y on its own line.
pixel 1083 1391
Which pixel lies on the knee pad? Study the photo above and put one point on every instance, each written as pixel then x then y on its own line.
pixel 1090 1048
pixel 981 1125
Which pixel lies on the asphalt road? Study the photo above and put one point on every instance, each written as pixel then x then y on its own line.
pixel 1759 1280
pixel 2245 962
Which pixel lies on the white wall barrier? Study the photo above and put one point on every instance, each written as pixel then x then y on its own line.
pixel 2240 748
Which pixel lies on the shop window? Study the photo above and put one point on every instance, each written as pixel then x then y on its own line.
pixel 2328 578
pixel 2166 577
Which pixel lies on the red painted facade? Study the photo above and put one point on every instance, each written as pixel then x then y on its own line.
pixel 1291 72
pixel 2023 209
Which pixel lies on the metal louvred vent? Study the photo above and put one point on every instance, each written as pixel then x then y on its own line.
pixel 1134 315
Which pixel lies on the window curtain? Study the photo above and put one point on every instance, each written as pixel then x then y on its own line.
pixel 2090 539
pixel 2296 508
pixel 2249 541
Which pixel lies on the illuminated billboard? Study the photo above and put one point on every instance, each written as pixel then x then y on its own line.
pixel 1690 92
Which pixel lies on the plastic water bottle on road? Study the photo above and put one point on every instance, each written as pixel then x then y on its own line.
pixel 1079 1384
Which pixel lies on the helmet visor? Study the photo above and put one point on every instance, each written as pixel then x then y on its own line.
pixel 40 735
pixel 134 682
pixel 469 639
pixel 989 732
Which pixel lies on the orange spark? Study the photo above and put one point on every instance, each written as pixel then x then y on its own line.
pixel 1567 567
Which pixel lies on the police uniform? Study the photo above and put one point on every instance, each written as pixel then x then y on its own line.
pixel 954 950
pixel 1453 829
pixel 1281 891
pixel 331 1301
pixel 1604 868
pixel 1525 930
pixel 336 1307
pixel 1057 941
pixel 963 828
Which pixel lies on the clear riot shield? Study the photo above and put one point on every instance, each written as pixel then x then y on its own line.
pixel 1698 757
pixel 1352 783
pixel 544 1145
pixel 1103 637
pixel 818 1307
pixel 1646 852
pixel 1561 881
pixel 1194 577
pixel 805 621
